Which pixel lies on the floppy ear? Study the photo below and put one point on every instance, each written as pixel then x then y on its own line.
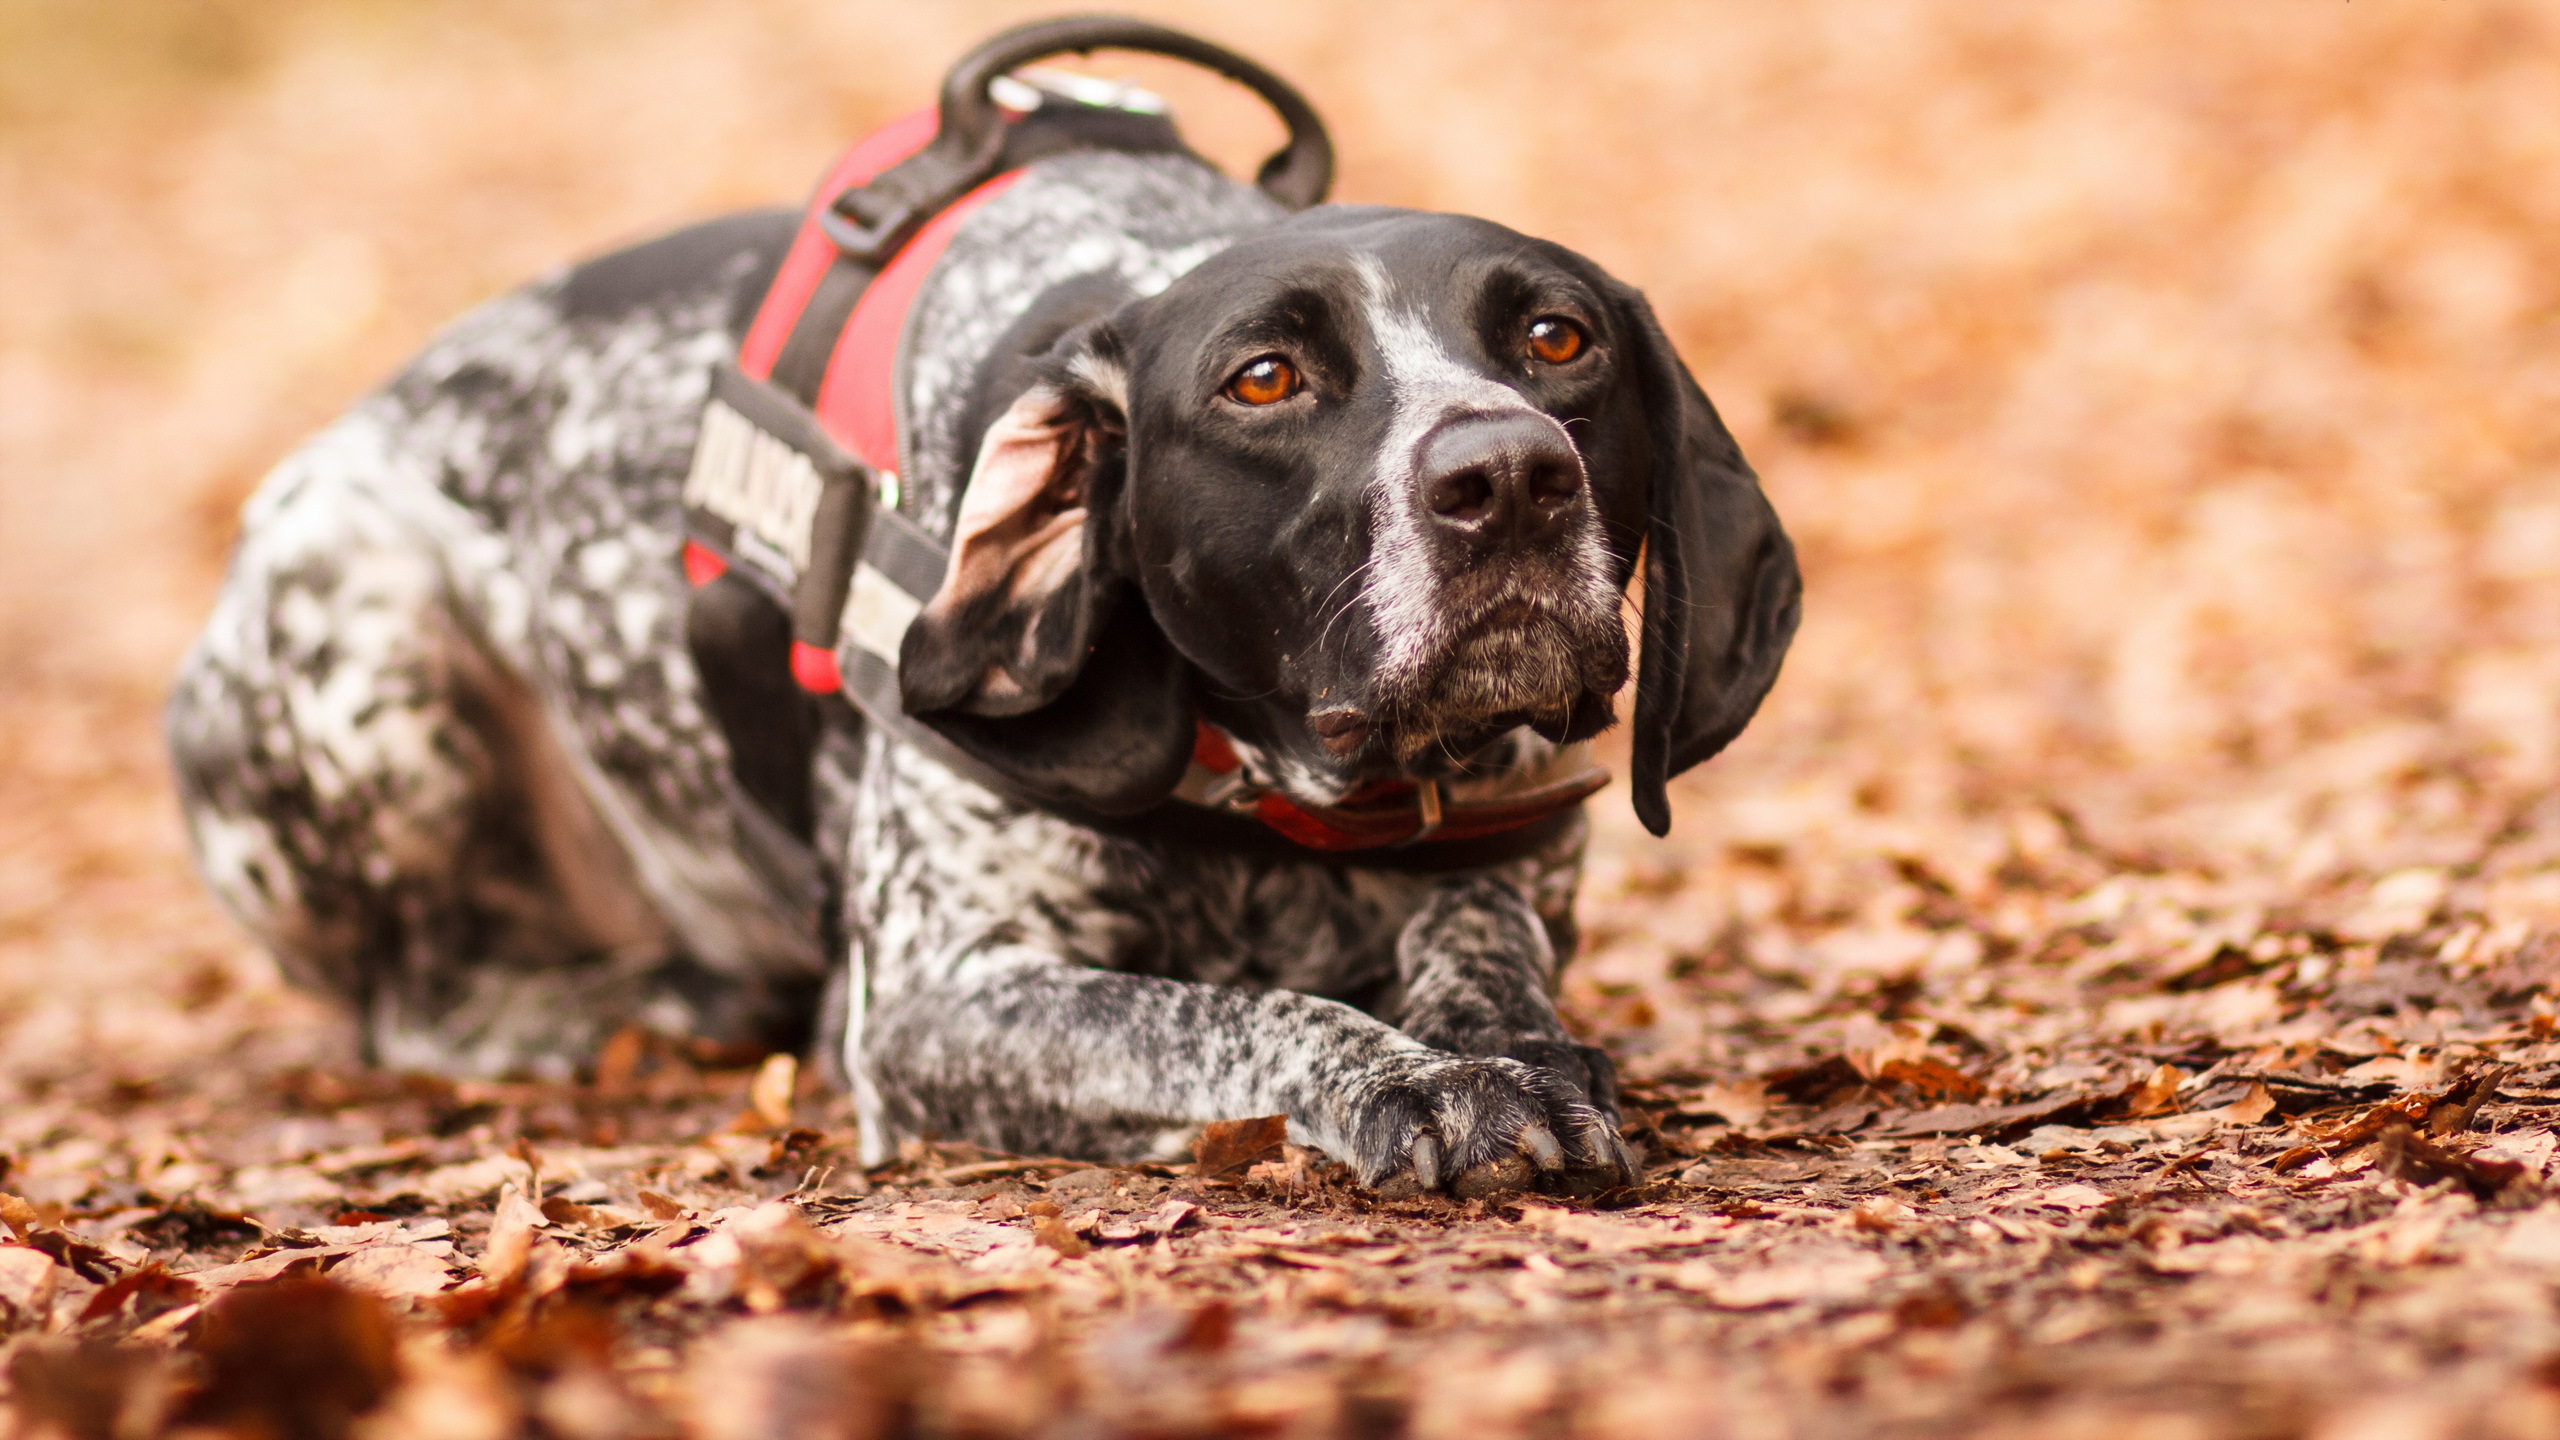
pixel 1033 656
pixel 1019 603
pixel 1721 591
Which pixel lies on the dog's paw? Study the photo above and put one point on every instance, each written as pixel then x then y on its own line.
pixel 1483 1125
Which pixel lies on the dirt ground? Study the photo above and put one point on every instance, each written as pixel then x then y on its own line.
pixel 2106 993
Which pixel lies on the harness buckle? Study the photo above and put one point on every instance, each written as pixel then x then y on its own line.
pixel 1426 801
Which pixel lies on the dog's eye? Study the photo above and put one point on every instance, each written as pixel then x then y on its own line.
pixel 1554 339
pixel 1266 381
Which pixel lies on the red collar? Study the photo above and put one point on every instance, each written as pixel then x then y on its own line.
pixel 1389 812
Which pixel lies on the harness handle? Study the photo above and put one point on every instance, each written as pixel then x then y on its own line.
pixel 870 222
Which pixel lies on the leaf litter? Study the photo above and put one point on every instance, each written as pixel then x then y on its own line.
pixel 2106 992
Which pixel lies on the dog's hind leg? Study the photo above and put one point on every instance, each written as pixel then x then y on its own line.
pixel 374 792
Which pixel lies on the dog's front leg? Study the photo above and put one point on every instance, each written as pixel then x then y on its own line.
pixel 1014 1048
pixel 1477 973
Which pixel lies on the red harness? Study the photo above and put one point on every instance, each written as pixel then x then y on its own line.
pixel 855 407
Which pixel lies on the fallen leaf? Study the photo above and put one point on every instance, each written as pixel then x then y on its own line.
pixel 560 1211
pixel 28 1278
pixel 152 1290
pixel 1055 1233
pixel 1228 1147
pixel 1930 1078
pixel 1740 1105
pixel 1171 1216
pixel 2158 1094
pixel 618 1061
pixel 770 1094
pixel 785 1378
pixel 1611 1235
pixel 300 1357
pixel 1825 1279
pixel 265 1267
pixel 395 1271
pixel 92 1389
pixel 511 1235
pixel 2059 1197
pixel 2410 1156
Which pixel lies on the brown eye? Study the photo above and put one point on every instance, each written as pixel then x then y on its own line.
pixel 1554 339
pixel 1266 381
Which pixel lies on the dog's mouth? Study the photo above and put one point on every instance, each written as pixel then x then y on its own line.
pixel 1516 660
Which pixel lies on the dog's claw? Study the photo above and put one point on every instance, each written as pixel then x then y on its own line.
pixel 1478 1126
pixel 1540 1144
pixel 1425 1161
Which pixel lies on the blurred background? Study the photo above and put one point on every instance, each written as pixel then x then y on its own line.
pixel 2164 394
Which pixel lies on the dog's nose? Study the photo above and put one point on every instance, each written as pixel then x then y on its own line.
pixel 1501 481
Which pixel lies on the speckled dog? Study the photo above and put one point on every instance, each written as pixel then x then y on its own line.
pixel 1360 487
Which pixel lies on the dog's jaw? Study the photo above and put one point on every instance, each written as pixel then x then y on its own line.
pixel 1466 655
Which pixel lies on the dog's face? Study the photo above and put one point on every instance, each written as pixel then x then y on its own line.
pixel 1377 481
pixel 1356 495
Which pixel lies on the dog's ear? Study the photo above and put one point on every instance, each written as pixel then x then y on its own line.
pixel 1034 656
pixel 1020 602
pixel 1721 591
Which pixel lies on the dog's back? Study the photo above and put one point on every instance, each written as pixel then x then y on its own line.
pixel 442 748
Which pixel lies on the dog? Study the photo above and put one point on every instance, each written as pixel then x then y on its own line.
pixel 1348 500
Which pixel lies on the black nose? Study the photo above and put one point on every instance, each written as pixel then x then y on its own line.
pixel 1502 481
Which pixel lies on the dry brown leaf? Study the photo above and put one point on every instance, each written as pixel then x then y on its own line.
pixel 1824 1279
pixel 18 1215
pixel 559 1211
pixel 1931 1079
pixel 2059 1197
pixel 511 1236
pixel 1741 1104
pixel 396 1271
pixel 2159 1092
pixel 1614 1235
pixel 1055 1233
pixel 1231 1147
pixel 618 1060
pixel 84 1390
pixel 299 1357
pixel 784 1378
pixel 28 1278
pixel 769 1097
pixel 1172 1216
pixel 266 1267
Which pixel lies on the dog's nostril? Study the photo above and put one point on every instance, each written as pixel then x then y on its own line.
pixel 1552 483
pixel 1465 495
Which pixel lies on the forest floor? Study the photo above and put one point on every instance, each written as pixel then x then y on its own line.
pixel 2107 993
pixel 2139 1153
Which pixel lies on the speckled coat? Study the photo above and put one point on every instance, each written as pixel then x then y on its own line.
pixel 442 750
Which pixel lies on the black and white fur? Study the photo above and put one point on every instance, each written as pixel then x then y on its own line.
pixel 443 750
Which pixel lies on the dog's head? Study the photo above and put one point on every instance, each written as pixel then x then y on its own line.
pixel 1366 488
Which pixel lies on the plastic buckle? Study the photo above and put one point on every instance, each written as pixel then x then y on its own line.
pixel 870 244
pixel 1426 801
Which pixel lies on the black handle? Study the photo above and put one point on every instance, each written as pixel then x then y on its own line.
pixel 1296 175
pixel 871 222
